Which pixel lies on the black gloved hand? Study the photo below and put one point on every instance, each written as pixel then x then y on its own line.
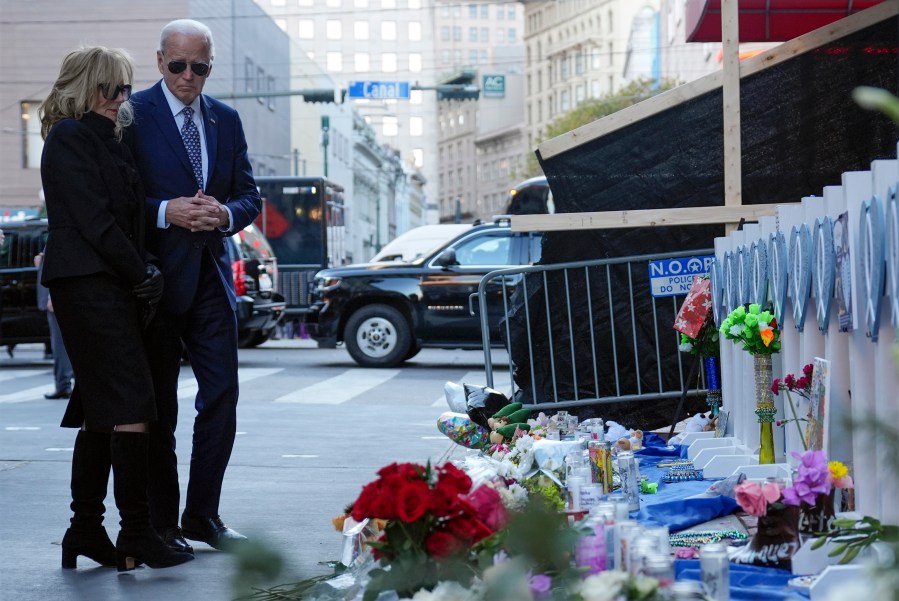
pixel 150 290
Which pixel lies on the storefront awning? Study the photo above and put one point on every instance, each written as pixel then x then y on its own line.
pixel 768 20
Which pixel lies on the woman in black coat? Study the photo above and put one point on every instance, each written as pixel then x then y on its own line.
pixel 103 287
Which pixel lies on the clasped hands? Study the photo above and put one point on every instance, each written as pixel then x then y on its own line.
pixel 200 213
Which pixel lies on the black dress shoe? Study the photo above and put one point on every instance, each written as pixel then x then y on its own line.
pixel 59 394
pixel 210 530
pixel 174 538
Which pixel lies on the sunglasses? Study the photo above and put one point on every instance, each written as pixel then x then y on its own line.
pixel 124 89
pixel 199 69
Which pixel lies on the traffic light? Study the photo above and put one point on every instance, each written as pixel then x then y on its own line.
pixel 458 92
pixel 323 95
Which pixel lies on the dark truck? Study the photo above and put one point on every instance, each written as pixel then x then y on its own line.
pixel 386 312
pixel 302 219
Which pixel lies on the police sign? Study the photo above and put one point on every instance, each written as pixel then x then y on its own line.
pixel 673 277
pixel 494 86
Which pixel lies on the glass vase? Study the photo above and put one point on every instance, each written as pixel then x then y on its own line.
pixel 764 407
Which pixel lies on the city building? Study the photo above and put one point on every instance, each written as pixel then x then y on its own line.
pixel 35 36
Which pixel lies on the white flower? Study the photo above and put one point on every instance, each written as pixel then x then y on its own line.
pixel 736 330
pixel 645 585
pixel 605 586
pixel 515 497
pixel 525 443
pixel 452 591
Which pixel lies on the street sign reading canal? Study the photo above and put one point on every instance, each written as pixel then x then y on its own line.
pixel 379 90
pixel 673 277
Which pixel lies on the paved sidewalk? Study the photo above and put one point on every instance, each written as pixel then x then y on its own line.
pixel 294 467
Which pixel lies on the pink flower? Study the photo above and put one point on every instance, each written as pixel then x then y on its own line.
pixel 488 504
pixel 844 482
pixel 754 497
pixel 775 386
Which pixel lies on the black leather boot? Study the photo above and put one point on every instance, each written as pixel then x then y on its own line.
pixel 138 542
pixel 90 476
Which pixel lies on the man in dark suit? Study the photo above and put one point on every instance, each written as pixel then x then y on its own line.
pixel 192 155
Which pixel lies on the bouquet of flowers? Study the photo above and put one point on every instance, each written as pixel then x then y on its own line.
pixel 433 520
pixel 801 386
pixel 756 329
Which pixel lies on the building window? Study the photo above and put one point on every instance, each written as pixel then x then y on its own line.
pixel 457 34
pixel 445 57
pixel 388 62
pixel 415 97
pixel 472 11
pixel 511 34
pixel 500 35
pixel 563 68
pixel 595 92
pixel 270 87
pixel 485 11
pixel 414 4
pixel 579 63
pixel 416 126
pixel 390 126
pixel 418 158
pixel 485 34
pixel 334 29
pixel 511 13
pixel 472 57
pixel 32 143
pixel 335 61
pixel 388 3
pixel 414 31
pixel 260 83
pixel 445 33
pixel 360 30
pixel 472 34
pixel 484 56
pixel 333 3
pixel 249 75
pixel 282 24
pixel 594 58
pixel 307 29
pixel 305 2
pixel 415 62
pixel 361 62
pixel 457 56
pixel 360 3
pixel 279 2
pixel 580 94
pixel 388 30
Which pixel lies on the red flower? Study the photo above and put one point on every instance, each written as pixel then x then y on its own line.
pixel 412 501
pixel 775 386
pixel 441 543
pixel 469 529
pixel 488 506
pixel 443 503
pixel 362 507
pixel 790 381
pixel 453 479
pixel 808 369
pixel 406 471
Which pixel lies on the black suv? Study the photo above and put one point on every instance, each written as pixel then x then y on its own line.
pixel 255 269
pixel 387 312
pixel 21 321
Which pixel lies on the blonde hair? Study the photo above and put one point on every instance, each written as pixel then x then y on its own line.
pixel 81 75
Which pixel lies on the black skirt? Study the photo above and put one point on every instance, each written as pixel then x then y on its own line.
pixel 99 320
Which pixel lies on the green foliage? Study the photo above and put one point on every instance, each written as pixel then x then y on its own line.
pixel 756 329
pixel 595 108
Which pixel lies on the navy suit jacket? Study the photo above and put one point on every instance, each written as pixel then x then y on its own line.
pixel 166 172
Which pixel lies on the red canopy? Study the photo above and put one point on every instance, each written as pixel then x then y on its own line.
pixel 768 20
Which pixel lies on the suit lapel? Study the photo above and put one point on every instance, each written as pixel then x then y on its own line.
pixel 162 115
pixel 211 128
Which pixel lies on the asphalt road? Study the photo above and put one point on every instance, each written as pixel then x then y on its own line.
pixel 312 430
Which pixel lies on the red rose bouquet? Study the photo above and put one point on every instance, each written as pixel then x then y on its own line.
pixel 434 520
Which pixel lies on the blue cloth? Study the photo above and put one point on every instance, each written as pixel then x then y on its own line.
pixel 654 445
pixel 748 583
pixel 669 506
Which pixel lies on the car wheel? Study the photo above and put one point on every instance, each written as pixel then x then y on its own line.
pixel 377 336
pixel 414 349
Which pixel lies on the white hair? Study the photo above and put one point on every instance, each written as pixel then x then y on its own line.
pixel 187 27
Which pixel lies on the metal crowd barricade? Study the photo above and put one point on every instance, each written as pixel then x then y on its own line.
pixel 556 339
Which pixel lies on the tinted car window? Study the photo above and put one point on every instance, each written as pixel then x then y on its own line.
pixel 490 250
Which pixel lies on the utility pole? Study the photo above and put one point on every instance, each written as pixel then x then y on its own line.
pixel 296 162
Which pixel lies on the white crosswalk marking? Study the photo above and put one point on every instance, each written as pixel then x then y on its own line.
pixel 13 374
pixel 501 382
pixel 187 387
pixel 339 389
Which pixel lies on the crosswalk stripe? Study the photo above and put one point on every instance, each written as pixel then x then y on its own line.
pixel 501 382
pixel 29 394
pixel 339 389
pixel 187 387
pixel 22 373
